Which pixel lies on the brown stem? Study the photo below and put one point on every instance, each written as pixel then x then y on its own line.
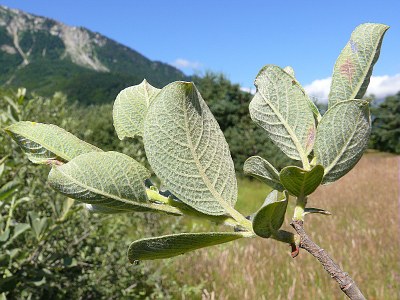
pixel 346 283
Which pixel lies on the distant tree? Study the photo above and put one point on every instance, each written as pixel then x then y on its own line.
pixel 385 134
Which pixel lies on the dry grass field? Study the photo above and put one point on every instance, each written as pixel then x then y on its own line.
pixel 362 235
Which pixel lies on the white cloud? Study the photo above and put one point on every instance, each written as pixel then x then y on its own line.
pixel 380 86
pixel 319 89
pixel 182 63
pixel 248 90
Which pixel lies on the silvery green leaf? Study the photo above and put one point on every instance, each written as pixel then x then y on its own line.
pixel 44 142
pixel 108 179
pixel 269 218
pixel 176 244
pixel 353 68
pixel 130 109
pixel 187 150
pixel 261 169
pixel 282 108
pixel 342 137
pixel 300 182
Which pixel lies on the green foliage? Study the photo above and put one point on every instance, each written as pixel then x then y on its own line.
pixel 385 135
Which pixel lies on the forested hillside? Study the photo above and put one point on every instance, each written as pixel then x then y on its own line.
pixel 44 56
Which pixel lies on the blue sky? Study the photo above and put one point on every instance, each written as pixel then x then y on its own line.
pixel 238 37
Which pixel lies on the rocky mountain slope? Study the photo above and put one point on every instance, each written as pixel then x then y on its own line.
pixel 44 55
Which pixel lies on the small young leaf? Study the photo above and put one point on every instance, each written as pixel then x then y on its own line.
pixel 38 225
pixel 187 150
pixel 261 169
pixel 269 218
pixel 130 109
pixel 19 229
pixel 354 65
pixel 342 137
pixel 282 108
pixel 43 142
pixel 299 182
pixel 109 179
pixel 176 244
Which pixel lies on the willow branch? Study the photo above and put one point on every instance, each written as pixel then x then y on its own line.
pixel 346 283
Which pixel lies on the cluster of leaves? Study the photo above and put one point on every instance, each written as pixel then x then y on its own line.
pixel 188 152
pixel 50 246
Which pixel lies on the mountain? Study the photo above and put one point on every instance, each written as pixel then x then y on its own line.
pixel 44 56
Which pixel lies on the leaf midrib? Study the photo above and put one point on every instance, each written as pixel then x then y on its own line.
pixel 283 121
pixel 199 166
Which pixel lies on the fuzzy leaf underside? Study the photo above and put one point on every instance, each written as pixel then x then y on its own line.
pixel 270 217
pixel 43 142
pixel 300 182
pixel 282 108
pixel 130 109
pixel 342 137
pixel 261 169
pixel 353 68
pixel 187 150
pixel 176 244
pixel 108 179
